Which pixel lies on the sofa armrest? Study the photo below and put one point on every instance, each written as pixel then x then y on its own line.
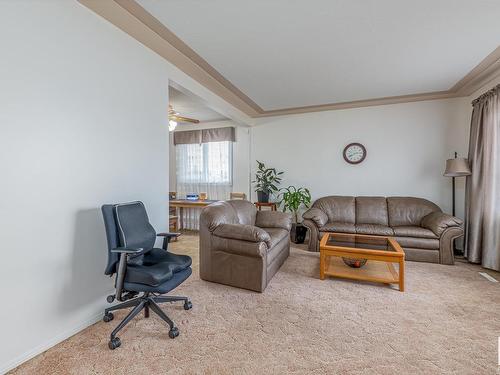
pixel 242 232
pixel 438 222
pixel 273 219
pixel 315 215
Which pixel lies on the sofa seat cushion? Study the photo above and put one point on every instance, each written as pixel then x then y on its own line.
pixel 418 242
pixel 374 229
pixel 276 234
pixel 337 226
pixel 413 231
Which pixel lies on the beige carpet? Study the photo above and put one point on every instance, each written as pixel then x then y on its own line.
pixel 448 321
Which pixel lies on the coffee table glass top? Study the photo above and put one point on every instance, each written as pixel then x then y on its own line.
pixel 354 241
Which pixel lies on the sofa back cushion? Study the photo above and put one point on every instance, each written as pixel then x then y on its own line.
pixel 338 208
pixel 409 210
pixel 371 210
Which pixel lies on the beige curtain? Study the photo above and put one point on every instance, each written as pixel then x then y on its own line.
pixel 482 221
pixel 187 137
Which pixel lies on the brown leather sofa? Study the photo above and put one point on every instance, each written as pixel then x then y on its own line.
pixel 421 228
pixel 240 246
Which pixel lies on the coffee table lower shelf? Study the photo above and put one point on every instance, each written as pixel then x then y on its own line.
pixel 375 271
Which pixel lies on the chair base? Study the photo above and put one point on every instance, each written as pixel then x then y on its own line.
pixel 147 302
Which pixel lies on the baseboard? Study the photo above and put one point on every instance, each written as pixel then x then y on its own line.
pixel 49 344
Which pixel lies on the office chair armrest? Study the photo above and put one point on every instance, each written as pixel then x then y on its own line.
pixel 170 235
pixel 166 239
pixel 129 250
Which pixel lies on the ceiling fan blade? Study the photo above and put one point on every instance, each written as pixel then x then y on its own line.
pixel 178 118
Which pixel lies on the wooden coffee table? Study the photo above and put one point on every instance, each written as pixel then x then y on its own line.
pixel 381 252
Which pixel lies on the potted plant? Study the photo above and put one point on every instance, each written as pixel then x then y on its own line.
pixel 266 182
pixel 292 199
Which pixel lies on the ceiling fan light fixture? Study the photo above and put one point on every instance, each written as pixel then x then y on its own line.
pixel 172 125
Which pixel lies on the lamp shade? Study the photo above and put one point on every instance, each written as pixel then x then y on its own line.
pixel 457 167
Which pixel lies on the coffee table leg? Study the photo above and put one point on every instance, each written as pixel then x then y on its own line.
pixel 402 276
pixel 322 266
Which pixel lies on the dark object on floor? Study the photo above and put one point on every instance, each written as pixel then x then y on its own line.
pixel 139 267
pixel 354 263
pixel 298 233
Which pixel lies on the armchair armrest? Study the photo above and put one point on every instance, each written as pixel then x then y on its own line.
pixel 438 222
pixel 273 219
pixel 316 215
pixel 242 232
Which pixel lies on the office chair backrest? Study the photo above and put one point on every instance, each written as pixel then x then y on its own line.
pixel 127 225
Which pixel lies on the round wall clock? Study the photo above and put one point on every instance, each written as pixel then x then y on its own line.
pixel 354 153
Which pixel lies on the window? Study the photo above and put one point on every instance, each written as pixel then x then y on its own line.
pixel 204 164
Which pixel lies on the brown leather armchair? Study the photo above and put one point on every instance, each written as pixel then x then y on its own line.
pixel 240 246
pixel 425 233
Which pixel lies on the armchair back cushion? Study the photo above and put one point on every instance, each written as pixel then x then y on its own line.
pixel 245 211
pixel 229 212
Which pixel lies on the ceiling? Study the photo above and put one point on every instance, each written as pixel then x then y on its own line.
pixel 188 105
pixel 291 53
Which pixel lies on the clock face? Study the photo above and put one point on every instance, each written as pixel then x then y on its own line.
pixel 354 153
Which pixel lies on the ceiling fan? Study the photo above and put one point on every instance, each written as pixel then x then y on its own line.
pixel 174 118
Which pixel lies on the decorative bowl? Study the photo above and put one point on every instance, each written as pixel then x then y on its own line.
pixel 354 263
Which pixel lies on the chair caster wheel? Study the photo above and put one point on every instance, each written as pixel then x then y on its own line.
pixel 188 305
pixel 173 333
pixel 110 298
pixel 108 318
pixel 114 343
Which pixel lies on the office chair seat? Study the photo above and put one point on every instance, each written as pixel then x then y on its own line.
pixel 181 262
pixel 176 279
pixel 155 267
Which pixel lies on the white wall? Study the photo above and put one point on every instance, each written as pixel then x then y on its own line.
pixel 83 122
pixel 407 145
pixel 241 153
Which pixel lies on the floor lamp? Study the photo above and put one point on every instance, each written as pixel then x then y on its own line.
pixel 457 167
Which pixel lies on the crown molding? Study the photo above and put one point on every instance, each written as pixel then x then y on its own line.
pixel 359 103
pixel 133 19
pixel 481 74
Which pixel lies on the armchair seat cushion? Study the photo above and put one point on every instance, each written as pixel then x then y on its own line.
pixel 413 231
pixel 337 226
pixel 276 235
pixel 374 229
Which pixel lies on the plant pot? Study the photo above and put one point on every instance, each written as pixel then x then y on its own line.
pixel 263 197
pixel 298 233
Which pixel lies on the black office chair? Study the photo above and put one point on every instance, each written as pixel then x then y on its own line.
pixel 139 267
